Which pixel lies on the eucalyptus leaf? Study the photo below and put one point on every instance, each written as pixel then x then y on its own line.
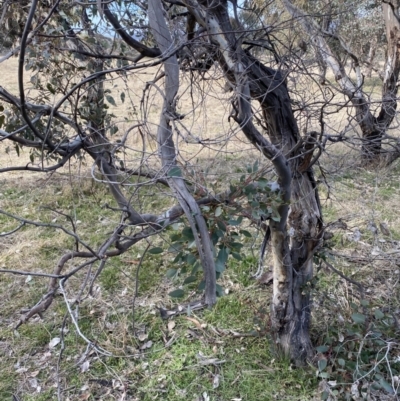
pixel 179 293
pixel 155 251
pixel 175 172
pixel 322 363
pixel 171 273
pixel 190 279
pixel 110 100
pixel 358 318
pixel 218 211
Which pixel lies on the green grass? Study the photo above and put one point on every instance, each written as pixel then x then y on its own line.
pixel 215 351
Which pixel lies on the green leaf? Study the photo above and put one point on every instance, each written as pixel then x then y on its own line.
pixel 236 245
pixel 113 130
pixel 237 256
pixel 255 166
pixel 2 119
pixel 171 273
pixel 358 318
pixel 341 362
pixel 176 237
pixel 155 251
pixel 178 258
pixel 218 211
pixel 219 233
pixel 191 259
pixel 221 225
pixel 190 279
pixel 187 233
pixel 110 100
pixel 196 268
pixel 175 172
pixel 322 348
pixel 386 386
pixel 324 395
pixel 263 183
pixel 50 88
pixel 201 286
pixel 179 293
pixel 236 222
pixel 379 314
pixel 322 364
pixel 245 233
pixel 221 260
pixel 122 96
pixel 176 247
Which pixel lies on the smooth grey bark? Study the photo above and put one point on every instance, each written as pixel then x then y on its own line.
pixel 168 153
pixel 371 57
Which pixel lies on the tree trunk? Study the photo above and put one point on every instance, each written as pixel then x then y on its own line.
pixel 305 224
pixel 371 57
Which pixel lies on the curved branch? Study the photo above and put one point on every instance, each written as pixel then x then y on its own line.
pixel 140 47
pixel 21 63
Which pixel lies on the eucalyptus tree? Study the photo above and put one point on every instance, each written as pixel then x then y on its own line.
pixel 62 45
pixel 345 37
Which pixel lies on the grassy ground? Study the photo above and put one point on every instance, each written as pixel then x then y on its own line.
pixel 207 354
pixel 221 354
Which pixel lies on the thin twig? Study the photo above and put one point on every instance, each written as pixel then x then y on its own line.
pixel 137 285
pixel 356 283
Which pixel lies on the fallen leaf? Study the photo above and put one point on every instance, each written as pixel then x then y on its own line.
pixel 85 366
pixel 33 383
pixel 54 342
pixel 196 322
pixel 146 345
pixel 171 325
pixel 142 336
pixel 216 381
pixel 132 262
